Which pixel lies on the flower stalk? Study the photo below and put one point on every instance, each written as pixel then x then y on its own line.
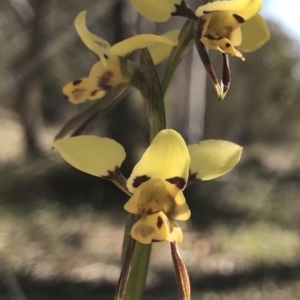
pixel 150 88
pixel 185 41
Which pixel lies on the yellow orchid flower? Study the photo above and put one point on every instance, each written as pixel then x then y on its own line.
pixel 224 25
pixel 158 179
pixel 107 72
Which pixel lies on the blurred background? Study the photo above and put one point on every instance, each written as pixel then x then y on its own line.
pixel 61 230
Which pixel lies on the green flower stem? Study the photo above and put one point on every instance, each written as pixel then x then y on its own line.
pixel 151 91
pixel 135 263
pixel 148 83
pixel 139 270
pixel 185 41
pixel 132 287
pixel 127 252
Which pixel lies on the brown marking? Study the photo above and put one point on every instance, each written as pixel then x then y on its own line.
pixel 239 19
pixel 139 180
pixel 76 82
pixel 149 212
pixel 192 177
pixel 178 181
pixel 227 45
pixel 93 93
pixel 113 175
pixel 210 37
pixel 160 222
pixel 184 11
pixel 77 93
pixel 144 230
pixel 104 81
pixel 66 96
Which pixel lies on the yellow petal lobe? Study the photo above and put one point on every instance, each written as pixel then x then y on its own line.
pixel 223 45
pixel 106 77
pixel 213 158
pixel 91 154
pixel 80 90
pixel 140 41
pixel 157 195
pixel 159 51
pixel 156 227
pixel 98 45
pixel 101 79
pixel 245 9
pixel 166 157
pixel 255 34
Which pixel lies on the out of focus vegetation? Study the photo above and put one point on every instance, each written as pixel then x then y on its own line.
pixel 61 230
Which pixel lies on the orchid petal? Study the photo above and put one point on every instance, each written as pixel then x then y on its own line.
pixel 106 77
pixel 167 157
pixel 80 90
pixel 157 195
pixel 242 9
pixel 224 45
pixel 236 36
pixel 101 79
pixel 159 51
pixel 156 227
pixel 140 41
pixel 98 45
pixel 213 158
pixel 91 154
pixel 255 33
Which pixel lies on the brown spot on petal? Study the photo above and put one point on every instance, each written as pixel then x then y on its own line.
pixel 227 45
pixel 239 18
pixel 76 82
pixel 206 12
pixel 139 180
pixel 93 93
pixel 104 80
pixel 77 93
pixel 149 212
pixel 178 181
pixel 210 37
pixel 113 174
pixel 159 222
pixel 144 230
